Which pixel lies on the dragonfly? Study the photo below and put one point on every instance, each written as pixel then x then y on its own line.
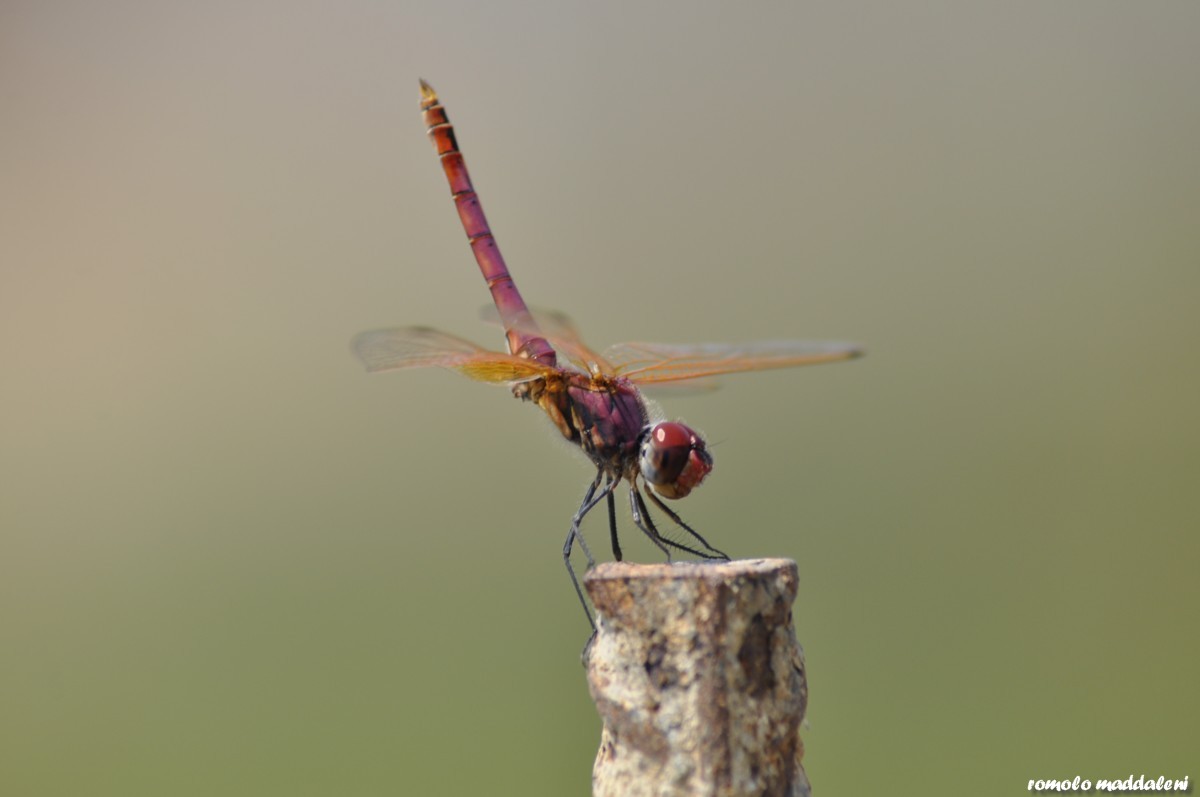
pixel 594 399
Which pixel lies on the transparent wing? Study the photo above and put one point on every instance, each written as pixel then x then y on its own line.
pixel 696 386
pixel 648 363
pixel 420 347
pixel 560 331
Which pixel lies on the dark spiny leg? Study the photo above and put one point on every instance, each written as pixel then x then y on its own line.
pixel 679 522
pixel 612 523
pixel 571 535
pixel 641 519
pixel 590 499
pixel 659 538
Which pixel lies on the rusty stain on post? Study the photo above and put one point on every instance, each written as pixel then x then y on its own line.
pixel 699 680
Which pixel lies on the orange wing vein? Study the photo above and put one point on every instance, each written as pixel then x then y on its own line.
pixel 648 363
pixel 418 347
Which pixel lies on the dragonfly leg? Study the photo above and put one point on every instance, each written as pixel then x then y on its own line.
pixel 612 521
pixel 679 522
pixel 641 512
pixel 590 499
pixel 641 519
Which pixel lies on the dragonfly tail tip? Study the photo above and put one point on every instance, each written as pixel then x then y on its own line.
pixel 427 92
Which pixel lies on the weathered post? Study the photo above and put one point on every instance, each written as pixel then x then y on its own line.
pixel 697 675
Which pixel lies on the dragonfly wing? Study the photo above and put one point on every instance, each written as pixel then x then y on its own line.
pixel 557 328
pixel 695 386
pixel 648 363
pixel 418 347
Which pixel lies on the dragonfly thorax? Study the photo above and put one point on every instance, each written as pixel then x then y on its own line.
pixel 673 459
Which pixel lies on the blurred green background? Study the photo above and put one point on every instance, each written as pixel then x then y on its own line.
pixel 232 563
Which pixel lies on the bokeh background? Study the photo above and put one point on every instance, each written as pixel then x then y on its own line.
pixel 233 563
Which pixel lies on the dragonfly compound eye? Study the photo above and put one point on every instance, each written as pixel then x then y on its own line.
pixel 673 459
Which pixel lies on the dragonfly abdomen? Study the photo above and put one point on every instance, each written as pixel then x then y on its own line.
pixel 519 325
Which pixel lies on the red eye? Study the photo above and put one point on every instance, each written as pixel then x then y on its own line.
pixel 672 435
pixel 673 459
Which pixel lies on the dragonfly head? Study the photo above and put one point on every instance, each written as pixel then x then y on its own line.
pixel 673 459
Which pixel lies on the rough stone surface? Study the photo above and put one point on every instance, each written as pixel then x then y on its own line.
pixel 697 675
